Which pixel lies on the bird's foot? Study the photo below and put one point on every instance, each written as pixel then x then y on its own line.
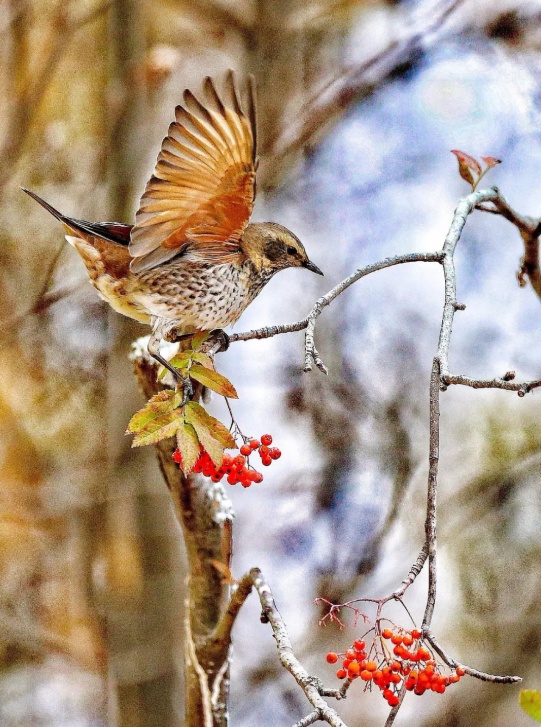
pixel 218 340
pixel 187 388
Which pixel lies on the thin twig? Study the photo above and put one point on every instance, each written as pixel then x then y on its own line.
pixel 453 664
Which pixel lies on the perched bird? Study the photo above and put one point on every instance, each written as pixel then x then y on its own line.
pixel 191 261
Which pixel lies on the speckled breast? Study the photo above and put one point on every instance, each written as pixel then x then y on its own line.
pixel 204 296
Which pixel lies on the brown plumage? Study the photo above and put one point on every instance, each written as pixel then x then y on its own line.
pixel 191 261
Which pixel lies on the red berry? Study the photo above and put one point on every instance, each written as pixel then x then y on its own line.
pixel 239 461
pixel 246 449
pixel 177 457
pixel 331 657
pixel 341 673
pixel 460 671
pixel 416 634
pixel 275 453
pixel 393 701
pixel 263 450
pixel 266 461
pixel 266 439
pixel 254 443
pixel 258 477
pixel 359 645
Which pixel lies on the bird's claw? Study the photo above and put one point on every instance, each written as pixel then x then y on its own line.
pixel 219 337
pixel 187 389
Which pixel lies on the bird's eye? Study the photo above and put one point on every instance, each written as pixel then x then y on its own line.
pixel 291 251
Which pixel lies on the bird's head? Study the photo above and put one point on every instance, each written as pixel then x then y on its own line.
pixel 272 247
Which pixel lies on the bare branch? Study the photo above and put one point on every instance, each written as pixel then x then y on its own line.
pixel 310 685
pixel 314 716
pixel 222 633
pixel 453 664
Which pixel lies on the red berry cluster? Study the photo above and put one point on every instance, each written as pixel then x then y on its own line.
pixel 266 452
pixel 414 665
pixel 236 469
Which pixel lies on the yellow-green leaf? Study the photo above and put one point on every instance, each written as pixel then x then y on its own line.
pixel 204 359
pixel 530 701
pixel 162 403
pixel 181 359
pixel 201 419
pixel 162 427
pixel 198 338
pixel 212 446
pixel 213 380
pixel 188 445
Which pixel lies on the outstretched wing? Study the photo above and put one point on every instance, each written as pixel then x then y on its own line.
pixel 200 197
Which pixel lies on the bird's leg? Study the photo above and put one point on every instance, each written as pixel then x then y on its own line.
pixel 154 350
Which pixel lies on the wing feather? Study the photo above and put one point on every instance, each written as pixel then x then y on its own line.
pixel 199 199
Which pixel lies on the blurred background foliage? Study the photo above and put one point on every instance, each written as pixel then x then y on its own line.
pixel 360 103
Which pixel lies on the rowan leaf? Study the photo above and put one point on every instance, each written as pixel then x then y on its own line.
pixel 196 413
pixel 188 446
pixel 530 701
pixel 491 161
pixel 213 380
pixel 162 403
pixel 204 359
pixel 466 165
pixel 198 338
pixel 181 359
pixel 162 427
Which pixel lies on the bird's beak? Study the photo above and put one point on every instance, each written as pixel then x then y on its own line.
pixel 309 265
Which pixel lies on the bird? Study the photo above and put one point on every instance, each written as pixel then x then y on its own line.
pixel 192 261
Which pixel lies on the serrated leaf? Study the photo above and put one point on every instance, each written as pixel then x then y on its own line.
pixel 161 403
pixel 198 338
pixel 204 359
pixel 163 427
pixel 213 380
pixel 530 701
pixel 188 445
pixel 212 446
pixel 195 414
pixel 181 359
pixel 491 161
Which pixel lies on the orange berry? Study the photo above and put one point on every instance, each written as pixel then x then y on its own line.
pixel 460 671
pixel 393 701
pixel 371 665
pixel 254 443
pixel 396 639
pixel 331 657
pixel 408 640
pixel 354 667
pixel 386 633
pixel 366 675
pixel 246 449
pixel 388 693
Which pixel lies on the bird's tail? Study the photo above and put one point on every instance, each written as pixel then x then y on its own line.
pixel 43 203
